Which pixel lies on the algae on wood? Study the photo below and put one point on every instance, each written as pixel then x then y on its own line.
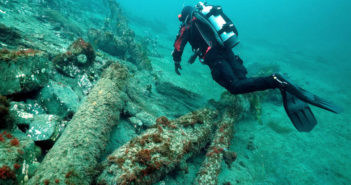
pixel 74 157
pixel 211 167
pixel 149 157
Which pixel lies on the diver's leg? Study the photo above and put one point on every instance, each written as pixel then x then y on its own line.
pixel 252 84
pixel 236 82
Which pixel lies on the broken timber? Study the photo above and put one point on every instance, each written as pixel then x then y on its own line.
pixel 151 156
pixel 75 155
pixel 211 167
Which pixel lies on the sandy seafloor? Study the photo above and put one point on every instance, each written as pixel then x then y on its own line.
pixel 278 154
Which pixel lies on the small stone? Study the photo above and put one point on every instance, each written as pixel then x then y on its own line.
pixel 146 118
pixel 135 121
pixel 251 146
pixel 229 157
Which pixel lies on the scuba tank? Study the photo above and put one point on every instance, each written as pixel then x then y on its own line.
pixel 215 26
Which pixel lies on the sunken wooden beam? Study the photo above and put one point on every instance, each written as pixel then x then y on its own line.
pixel 211 167
pixel 233 109
pixel 74 157
pixel 148 158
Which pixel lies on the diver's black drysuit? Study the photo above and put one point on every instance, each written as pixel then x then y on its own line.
pixel 227 69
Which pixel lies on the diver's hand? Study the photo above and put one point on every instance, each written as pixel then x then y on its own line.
pixel 177 67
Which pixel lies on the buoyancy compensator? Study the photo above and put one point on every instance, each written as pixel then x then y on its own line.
pixel 215 27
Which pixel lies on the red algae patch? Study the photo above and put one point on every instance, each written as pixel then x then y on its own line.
pixel 14 142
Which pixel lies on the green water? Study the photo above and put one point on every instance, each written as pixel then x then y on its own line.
pixel 307 40
pixel 310 41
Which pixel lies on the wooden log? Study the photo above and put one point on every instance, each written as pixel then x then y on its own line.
pixel 74 157
pixel 149 157
pixel 232 108
pixel 211 167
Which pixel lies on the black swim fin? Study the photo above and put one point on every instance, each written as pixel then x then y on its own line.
pixel 299 112
pixel 306 96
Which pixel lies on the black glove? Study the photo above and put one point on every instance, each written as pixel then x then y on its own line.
pixel 177 67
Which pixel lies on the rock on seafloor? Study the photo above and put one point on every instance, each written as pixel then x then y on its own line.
pixel 59 99
pixel 44 127
pixel 34 122
pixel 18 157
pixel 23 71
pixel 79 56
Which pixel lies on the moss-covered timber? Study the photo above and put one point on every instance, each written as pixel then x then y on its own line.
pixel 149 157
pixel 211 167
pixel 74 157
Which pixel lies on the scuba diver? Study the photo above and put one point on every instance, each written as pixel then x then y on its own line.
pixel 212 36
